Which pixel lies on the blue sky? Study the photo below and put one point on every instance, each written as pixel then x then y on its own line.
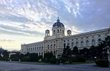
pixel 25 21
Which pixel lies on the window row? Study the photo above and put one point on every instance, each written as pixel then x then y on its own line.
pixel 82 38
pixel 34 48
pixel 51 46
pixel 82 43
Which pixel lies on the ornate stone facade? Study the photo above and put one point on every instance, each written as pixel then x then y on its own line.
pixel 58 40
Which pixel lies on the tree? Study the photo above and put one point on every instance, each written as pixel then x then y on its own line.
pixel 15 57
pixel 92 52
pixel 84 52
pixel 75 51
pixel 102 48
pixel 102 55
pixel 5 55
pixel 49 57
pixel 67 54
pixel 107 41
pixel 31 57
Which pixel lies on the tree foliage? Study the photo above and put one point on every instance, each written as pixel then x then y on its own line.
pixel 49 57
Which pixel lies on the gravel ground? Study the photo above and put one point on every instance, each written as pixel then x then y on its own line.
pixel 7 66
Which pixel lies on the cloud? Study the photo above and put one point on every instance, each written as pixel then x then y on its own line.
pixel 18 30
pixel 5 17
pixel 30 18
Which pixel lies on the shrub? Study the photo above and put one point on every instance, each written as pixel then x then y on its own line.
pixel 49 58
pixel 79 58
pixel 102 62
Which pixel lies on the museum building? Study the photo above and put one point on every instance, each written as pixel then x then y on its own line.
pixel 58 40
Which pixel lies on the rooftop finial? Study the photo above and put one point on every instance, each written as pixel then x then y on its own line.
pixel 58 20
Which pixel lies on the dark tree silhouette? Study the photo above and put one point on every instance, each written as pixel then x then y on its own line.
pixel 67 54
pixel 75 51
pixel 92 52
pixel 84 52
pixel 102 55
pixel 49 57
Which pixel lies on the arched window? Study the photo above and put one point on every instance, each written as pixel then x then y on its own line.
pixel 93 42
pixel 53 31
pixel 76 44
pixel 76 38
pixel 63 31
pixel 54 52
pixel 54 45
pixel 99 35
pixel 68 44
pixel 64 40
pixel 82 43
pixel 60 29
pixel 27 49
pixel 87 43
pixel 64 45
pixel 99 40
pixel 51 45
pixel 72 43
pixel 48 46
pixel 57 31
